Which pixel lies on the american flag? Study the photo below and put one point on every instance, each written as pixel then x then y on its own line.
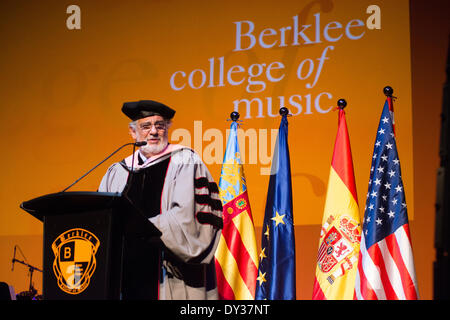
pixel 386 265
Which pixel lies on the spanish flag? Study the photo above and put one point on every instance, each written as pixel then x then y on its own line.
pixel 337 258
pixel 236 257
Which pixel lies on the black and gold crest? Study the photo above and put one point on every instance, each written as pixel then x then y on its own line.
pixel 75 261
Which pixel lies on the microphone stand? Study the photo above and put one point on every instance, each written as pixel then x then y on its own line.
pixel 135 144
pixel 32 291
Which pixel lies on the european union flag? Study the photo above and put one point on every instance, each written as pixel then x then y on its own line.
pixel 276 272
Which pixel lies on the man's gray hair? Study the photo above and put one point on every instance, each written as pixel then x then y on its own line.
pixel 133 125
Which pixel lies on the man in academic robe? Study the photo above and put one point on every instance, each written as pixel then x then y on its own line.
pixel 173 188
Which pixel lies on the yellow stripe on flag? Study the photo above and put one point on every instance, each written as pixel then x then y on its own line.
pixel 339 199
pixel 245 227
pixel 231 271
pixel 339 282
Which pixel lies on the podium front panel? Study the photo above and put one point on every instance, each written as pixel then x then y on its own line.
pixel 81 256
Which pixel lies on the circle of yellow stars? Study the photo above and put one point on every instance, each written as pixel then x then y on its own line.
pixel 278 219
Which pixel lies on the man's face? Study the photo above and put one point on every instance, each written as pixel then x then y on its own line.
pixel 153 130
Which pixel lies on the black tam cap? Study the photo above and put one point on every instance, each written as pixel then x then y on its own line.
pixel 146 108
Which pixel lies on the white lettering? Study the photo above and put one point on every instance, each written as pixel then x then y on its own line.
pixel 332 25
pixel 191 79
pixel 301 34
pixel 293 104
pixel 317 102
pixel 235 76
pixel 353 24
pixel 172 81
pixel 235 69
pixel 300 68
pixel 274 66
pixel 322 59
pixel 264 33
pixel 247 104
pixel 252 74
pixel 249 34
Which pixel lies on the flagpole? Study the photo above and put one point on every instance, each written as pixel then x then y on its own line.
pixel 341 104
pixel 234 116
pixel 236 257
pixel 388 91
pixel 385 226
pixel 284 111
pixel 276 278
pixel 335 278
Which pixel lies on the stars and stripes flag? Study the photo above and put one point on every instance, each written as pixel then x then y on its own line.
pixel 340 235
pixel 276 273
pixel 386 265
pixel 236 257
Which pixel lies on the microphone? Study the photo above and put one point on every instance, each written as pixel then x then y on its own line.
pixel 14 258
pixel 135 144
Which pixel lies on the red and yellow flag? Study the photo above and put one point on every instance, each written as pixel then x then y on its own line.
pixel 236 256
pixel 340 236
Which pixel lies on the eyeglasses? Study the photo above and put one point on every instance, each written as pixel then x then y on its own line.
pixel 160 125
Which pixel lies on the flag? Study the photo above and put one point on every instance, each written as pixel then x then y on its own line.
pixel 236 257
pixel 276 273
pixel 340 235
pixel 386 265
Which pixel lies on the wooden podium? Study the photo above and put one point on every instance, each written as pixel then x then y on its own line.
pixel 84 239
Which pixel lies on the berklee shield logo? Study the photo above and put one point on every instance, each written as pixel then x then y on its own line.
pixel 74 261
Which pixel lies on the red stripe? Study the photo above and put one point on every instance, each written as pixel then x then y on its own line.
pixel 317 291
pixel 407 283
pixel 391 106
pixel 224 289
pixel 342 156
pixel 406 228
pixel 391 110
pixel 375 253
pixel 366 290
pixel 246 266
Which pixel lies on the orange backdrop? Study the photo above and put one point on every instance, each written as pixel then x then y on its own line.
pixel 62 91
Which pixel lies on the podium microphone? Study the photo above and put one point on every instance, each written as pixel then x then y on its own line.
pixel 135 144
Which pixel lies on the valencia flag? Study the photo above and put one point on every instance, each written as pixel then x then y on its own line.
pixel 236 257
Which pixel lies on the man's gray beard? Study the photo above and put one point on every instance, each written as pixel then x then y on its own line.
pixel 154 149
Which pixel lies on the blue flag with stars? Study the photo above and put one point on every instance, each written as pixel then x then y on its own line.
pixel 276 272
